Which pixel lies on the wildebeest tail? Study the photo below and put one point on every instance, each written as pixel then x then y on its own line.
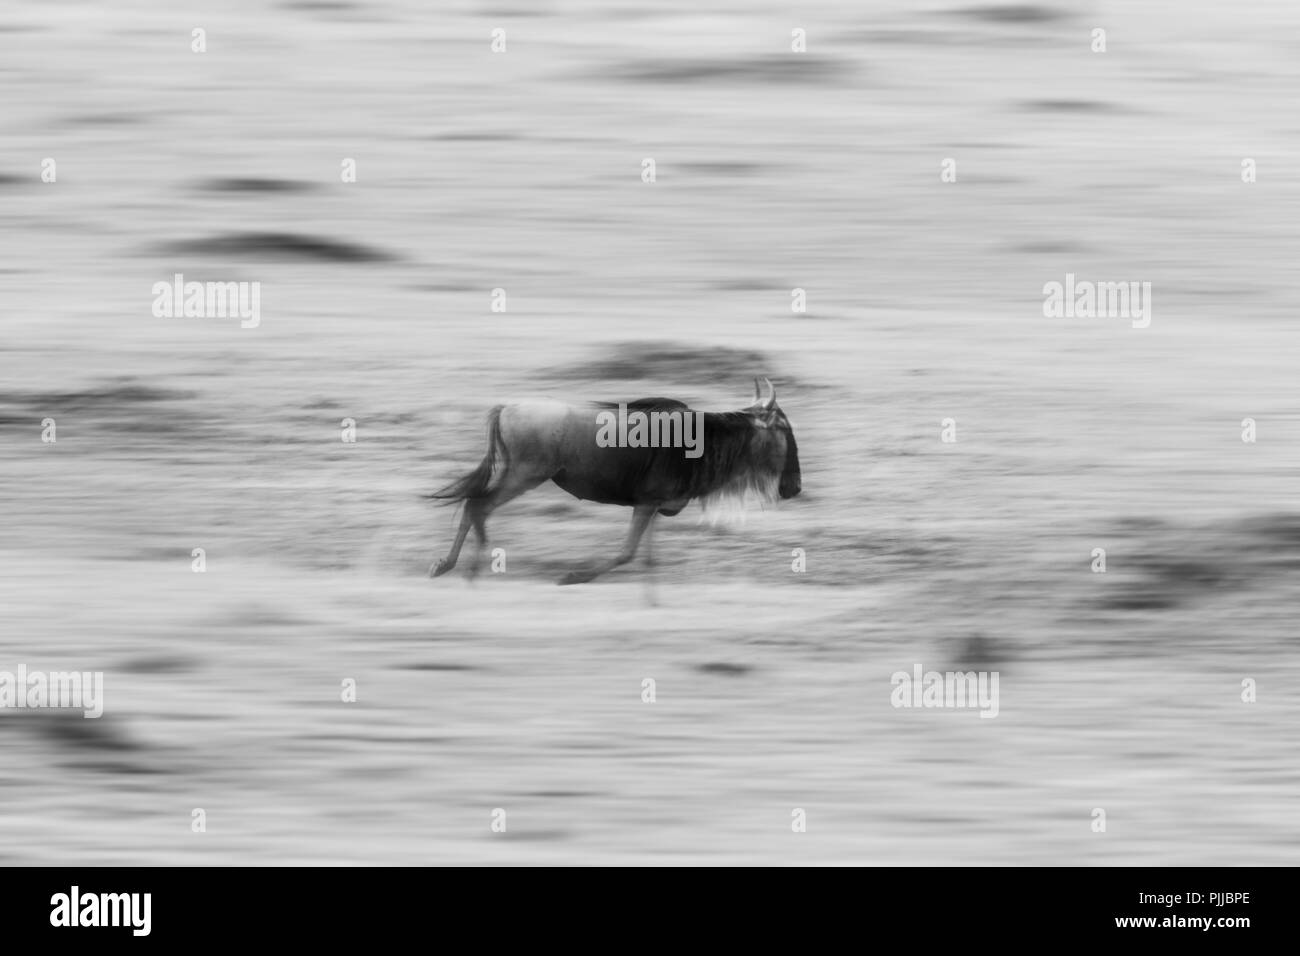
pixel 476 483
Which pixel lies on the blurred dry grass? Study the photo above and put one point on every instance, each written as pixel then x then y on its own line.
pixel 1118 690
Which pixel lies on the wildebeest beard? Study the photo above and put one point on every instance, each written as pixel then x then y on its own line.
pixel 732 469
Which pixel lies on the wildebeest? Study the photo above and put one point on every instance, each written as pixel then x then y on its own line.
pixel 751 451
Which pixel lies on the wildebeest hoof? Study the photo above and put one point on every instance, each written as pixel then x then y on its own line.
pixel 440 568
pixel 577 577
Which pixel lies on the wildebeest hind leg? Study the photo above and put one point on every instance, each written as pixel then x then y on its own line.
pixel 478 518
pixel 446 564
pixel 642 515
pixel 512 486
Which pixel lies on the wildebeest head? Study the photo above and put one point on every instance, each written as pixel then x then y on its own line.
pixel 776 445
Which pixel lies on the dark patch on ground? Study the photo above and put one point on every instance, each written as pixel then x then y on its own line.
pixel 980 653
pixel 724 669
pixel 666 362
pixel 104 398
pixel 276 246
pixel 472 136
pixel 1011 13
pixel 1068 106
pixel 781 70
pixel 1177 567
pixel 253 184
pixel 158 664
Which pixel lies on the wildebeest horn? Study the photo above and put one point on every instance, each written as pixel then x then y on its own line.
pixel 771 394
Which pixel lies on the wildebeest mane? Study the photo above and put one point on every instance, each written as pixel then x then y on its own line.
pixel 728 470
pixel 648 405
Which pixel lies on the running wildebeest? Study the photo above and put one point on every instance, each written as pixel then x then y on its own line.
pixel 729 456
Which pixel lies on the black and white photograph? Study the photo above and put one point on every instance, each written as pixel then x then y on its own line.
pixel 585 433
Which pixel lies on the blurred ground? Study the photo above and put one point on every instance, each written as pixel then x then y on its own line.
pixel 522 171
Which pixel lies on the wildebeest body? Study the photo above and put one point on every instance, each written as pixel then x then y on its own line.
pixel 751 451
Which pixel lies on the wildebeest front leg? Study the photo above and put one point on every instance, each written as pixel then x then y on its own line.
pixel 642 515
pixel 650 596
